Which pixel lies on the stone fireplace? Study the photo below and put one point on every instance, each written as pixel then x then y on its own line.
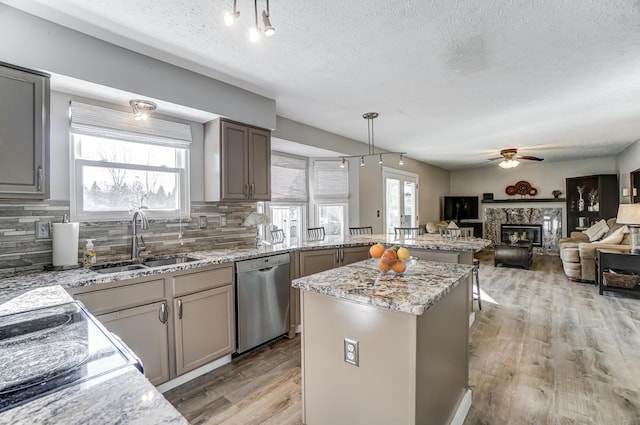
pixel 549 220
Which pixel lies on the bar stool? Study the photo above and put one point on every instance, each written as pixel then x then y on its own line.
pixel 315 233
pixel 365 230
pixel 476 293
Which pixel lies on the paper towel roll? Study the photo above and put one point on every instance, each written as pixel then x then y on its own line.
pixel 65 244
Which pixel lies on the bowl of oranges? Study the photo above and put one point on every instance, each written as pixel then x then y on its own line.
pixel 394 260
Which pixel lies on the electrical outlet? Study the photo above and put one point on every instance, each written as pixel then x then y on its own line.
pixel 43 229
pixel 202 222
pixel 351 352
pixel 223 220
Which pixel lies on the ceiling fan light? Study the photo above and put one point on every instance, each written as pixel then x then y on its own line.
pixel 508 163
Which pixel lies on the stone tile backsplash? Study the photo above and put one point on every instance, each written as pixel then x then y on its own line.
pixel 21 251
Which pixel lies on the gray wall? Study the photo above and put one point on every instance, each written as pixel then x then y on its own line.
pixel 35 43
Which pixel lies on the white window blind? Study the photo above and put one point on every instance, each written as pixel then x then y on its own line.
pixel 288 179
pixel 91 120
pixel 330 181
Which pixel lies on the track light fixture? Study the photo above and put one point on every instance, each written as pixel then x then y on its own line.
pixel 343 163
pixel 230 18
pixel 141 108
pixel 370 116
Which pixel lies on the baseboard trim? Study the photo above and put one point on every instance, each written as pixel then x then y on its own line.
pixel 183 379
pixel 463 409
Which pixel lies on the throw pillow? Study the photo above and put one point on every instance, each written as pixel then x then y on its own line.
pixel 616 237
pixel 597 231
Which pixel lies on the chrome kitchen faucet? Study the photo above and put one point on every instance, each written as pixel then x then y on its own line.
pixel 138 216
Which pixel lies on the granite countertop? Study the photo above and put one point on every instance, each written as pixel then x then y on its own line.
pixel 124 396
pixel 17 284
pixel 414 292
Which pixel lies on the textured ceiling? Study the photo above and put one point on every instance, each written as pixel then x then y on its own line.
pixel 454 81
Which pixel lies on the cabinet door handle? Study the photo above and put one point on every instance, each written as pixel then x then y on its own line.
pixel 163 313
pixel 39 178
pixel 342 255
pixel 246 190
pixel 179 309
pixel 337 256
pixel 253 191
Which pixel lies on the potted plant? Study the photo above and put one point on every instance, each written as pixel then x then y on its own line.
pixel 556 193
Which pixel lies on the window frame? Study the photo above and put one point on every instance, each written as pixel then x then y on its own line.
pixel 78 213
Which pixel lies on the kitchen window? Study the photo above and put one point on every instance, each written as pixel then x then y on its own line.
pixel 330 195
pixel 289 196
pixel 120 164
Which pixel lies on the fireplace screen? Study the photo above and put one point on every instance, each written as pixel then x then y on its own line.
pixel 532 232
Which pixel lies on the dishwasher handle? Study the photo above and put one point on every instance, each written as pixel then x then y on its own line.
pixel 266 269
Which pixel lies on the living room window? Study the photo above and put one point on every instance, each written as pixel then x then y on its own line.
pixel 120 164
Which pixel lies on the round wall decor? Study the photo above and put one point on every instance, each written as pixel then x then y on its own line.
pixel 521 188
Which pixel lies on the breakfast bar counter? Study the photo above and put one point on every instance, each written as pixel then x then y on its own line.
pixel 382 349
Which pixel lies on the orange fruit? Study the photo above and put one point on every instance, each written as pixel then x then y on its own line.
pixel 399 267
pixel 376 250
pixel 384 266
pixel 390 254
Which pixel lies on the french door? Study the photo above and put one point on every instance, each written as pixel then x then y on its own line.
pixel 400 199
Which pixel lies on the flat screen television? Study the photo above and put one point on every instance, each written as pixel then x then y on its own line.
pixel 460 208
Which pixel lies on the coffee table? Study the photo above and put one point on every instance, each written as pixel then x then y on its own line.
pixel 518 254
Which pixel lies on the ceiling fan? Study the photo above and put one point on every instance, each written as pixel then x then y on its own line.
pixel 510 160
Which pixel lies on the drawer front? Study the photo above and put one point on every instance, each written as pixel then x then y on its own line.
pixel 106 300
pixel 199 281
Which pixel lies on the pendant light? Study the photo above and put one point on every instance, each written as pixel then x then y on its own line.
pixel 371 146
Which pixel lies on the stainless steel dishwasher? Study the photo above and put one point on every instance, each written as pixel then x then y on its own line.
pixel 262 300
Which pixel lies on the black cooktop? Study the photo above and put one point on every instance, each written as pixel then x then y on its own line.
pixel 51 348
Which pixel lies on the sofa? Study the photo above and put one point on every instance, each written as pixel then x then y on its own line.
pixel 578 253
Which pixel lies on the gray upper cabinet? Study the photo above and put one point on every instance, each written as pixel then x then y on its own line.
pixel 24 133
pixel 237 162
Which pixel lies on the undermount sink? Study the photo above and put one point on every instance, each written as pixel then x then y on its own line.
pixel 127 266
pixel 118 267
pixel 157 262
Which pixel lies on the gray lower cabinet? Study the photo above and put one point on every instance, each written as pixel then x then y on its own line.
pixel 311 262
pixel 204 327
pixel 175 322
pixel 24 133
pixel 145 331
pixel 324 259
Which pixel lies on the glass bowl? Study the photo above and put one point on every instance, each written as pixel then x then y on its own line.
pixel 395 266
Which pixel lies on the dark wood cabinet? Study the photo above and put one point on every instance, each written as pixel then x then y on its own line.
pixel 237 162
pixel 589 199
pixel 24 133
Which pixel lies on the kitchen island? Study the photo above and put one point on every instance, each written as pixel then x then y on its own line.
pixel 384 349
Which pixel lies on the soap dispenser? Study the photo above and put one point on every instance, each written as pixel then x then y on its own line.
pixel 89 253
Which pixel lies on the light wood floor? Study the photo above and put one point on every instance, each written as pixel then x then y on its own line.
pixel 543 350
